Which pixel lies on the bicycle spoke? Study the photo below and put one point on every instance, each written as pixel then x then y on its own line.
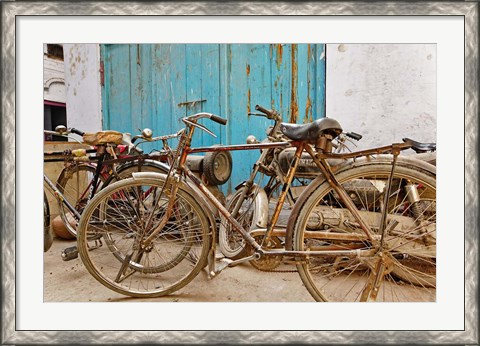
pixel 381 276
pixel 127 264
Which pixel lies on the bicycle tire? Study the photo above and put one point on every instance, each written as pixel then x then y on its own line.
pixel 174 258
pixel 231 243
pixel 78 197
pixel 47 229
pixel 408 236
pixel 74 184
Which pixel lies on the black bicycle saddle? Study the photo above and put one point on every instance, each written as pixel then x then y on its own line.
pixel 312 131
pixel 420 147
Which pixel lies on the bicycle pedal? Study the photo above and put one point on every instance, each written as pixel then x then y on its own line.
pixel 222 264
pixel 69 253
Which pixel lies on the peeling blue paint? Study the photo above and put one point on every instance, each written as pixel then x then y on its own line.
pixel 155 85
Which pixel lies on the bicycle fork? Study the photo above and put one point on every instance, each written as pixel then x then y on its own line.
pixel 142 245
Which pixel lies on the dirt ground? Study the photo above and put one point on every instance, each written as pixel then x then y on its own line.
pixel 69 281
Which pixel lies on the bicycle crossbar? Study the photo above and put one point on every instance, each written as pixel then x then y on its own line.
pixel 239 147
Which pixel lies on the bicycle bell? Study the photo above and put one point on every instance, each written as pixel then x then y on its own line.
pixel 147 133
pixel 60 129
pixel 251 139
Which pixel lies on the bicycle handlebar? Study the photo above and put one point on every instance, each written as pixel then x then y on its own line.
pixel 211 116
pixel 354 135
pixel 54 133
pixel 160 138
pixel 77 132
pixel 263 110
pixel 218 119
pixel 63 131
pixel 270 113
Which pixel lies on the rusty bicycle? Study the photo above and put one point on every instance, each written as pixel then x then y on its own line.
pixel 251 201
pixel 111 156
pixel 364 230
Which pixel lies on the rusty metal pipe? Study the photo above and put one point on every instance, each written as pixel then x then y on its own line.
pixel 239 147
pixel 285 188
pixel 332 180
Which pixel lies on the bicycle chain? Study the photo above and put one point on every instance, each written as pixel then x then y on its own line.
pixel 277 270
pixel 270 263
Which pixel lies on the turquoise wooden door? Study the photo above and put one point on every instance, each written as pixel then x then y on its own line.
pixel 156 85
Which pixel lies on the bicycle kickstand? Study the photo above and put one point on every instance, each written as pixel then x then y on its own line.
pixel 226 262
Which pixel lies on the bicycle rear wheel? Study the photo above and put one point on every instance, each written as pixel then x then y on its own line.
pixel 403 268
pixel 125 213
pixel 74 183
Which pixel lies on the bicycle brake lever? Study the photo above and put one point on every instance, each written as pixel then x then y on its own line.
pixel 200 127
pixel 273 116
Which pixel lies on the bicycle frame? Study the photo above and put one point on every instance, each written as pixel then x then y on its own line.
pixel 320 159
pixel 364 221
pixel 92 185
pixel 59 196
pixel 105 167
pixel 101 167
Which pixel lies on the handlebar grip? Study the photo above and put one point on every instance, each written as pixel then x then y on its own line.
pixel 263 110
pixel 77 132
pixel 354 136
pixel 218 119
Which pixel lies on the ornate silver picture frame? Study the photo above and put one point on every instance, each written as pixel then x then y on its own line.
pixel 13 10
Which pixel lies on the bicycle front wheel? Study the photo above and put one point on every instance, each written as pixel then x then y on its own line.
pixel 399 265
pixel 128 212
pixel 47 228
pixel 231 243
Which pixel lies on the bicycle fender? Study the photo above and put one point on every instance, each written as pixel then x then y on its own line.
pixel 410 161
pixel 406 161
pixel 152 163
pixel 261 205
pixel 261 208
pixel 64 170
pixel 161 165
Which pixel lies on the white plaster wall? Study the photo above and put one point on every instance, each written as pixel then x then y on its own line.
pixel 83 89
pixel 383 91
pixel 53 79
